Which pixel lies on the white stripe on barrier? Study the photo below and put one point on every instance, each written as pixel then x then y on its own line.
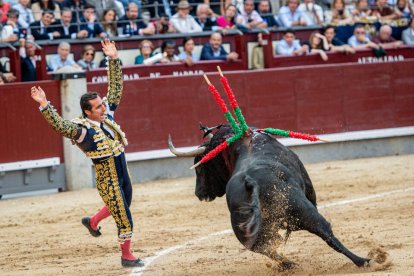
pixel 139 271
pixel 333 137
pixel 30 164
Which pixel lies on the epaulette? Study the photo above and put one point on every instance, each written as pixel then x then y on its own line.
pixel 81 121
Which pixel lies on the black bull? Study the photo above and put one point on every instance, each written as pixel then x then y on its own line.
pixel 267 189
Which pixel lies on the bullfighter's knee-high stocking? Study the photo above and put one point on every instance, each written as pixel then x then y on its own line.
pixel 102 214
pixel 126 250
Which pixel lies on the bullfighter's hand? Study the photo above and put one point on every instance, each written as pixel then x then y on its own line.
pixel 109 48
pixel 39 96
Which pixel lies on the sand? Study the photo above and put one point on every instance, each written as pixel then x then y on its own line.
pixel 42 235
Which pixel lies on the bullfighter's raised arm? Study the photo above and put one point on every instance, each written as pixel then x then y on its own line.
pixel 114 74
pixel 65 127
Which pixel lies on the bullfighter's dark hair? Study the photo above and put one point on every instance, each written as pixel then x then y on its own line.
pixel 84 101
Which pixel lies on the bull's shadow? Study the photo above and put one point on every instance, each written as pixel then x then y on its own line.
pixel 267 189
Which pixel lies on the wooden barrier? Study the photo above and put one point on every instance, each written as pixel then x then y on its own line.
pixel 25 135
pixel 361 56
pixel 318 99
pixel 172 69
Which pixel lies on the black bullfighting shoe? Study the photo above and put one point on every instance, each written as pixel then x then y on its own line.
pixel 132 263
pixel 86 221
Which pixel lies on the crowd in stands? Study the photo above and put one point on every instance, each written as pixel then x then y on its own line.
pixel 24 22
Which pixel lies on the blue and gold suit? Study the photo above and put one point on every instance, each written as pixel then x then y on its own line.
pixel 105 146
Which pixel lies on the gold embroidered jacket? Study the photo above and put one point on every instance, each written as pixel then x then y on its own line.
pixel 89 137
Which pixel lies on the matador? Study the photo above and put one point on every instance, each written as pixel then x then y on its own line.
pixel 97 134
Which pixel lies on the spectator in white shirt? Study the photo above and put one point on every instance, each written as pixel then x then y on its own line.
pixel 183 22
pixel 312 13
pixel 25 13
pixel 290 16
pixel 250 18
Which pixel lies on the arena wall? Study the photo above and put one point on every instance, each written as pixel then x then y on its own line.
pixel 319 99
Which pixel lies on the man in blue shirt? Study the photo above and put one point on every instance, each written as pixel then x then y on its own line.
pixel 214 50
pixel 62 58
pixel 290 46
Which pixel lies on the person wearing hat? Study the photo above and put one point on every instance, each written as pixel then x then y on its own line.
pixel 182 21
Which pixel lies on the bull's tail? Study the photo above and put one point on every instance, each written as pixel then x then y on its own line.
pixel 251 213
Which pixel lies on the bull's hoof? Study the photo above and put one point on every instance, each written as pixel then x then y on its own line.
pixel 365 262
pixel 287 265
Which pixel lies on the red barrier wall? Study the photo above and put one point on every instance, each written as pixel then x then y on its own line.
pixel 25 135
pixel 318 99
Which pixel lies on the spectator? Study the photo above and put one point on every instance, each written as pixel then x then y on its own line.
pixel 4 9
pixel 187 55
pixel 318 44
pixel 335 44
pixel 382 11
pixel 163 25
pixel 257 53
pixel 338 14
pixel 183 22
pixel 217 6
pixel 214 50
pixel 39 7
pixel 25 13
pixel 88 23
pixel 147 50
pixel 102 5
pixel 66 29
pixel 43 29
pixel 62 58
pixel 360 40
pixel 288 45
pixel 167 55
pixel 404 9
pixel 249 18
pixel 290 16
pixel 88 54
pixel 132 24
pixel 109 24
pixel 77 7
pixel 361 11
pixel 385 40
pixel 312 13
pixel 205 18
pixel 11 31
pixel 228 20
pixel 408 34
pixel 28 60
pixel 5 76
pixel 266 13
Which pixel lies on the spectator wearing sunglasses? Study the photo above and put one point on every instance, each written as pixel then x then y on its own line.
pixel 360 39
pixel 88 54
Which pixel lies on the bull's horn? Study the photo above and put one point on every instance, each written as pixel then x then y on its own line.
pixel 192 153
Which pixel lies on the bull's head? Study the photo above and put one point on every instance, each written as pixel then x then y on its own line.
pixel 212 176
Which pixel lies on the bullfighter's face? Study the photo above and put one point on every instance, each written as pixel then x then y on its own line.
pixel 98 110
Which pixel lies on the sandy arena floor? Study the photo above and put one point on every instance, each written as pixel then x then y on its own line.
pixel 43 235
